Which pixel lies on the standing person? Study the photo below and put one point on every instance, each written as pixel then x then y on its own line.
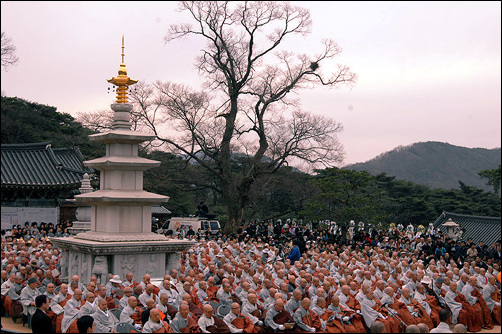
pixel 40 322
pixel 294 255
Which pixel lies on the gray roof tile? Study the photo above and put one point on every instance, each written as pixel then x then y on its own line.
pixel 486 229
pixel 38 164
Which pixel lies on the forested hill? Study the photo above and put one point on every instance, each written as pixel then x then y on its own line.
pixel 434 164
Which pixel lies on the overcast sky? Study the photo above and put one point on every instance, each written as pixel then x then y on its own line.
pixel 428 71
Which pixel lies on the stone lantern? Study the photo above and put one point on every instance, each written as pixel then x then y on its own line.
pixel 450 228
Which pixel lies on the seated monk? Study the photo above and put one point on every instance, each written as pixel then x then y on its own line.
pixel 255 312
pixel 164 307
pixel 209 323
pixel 155 324
pixel 12 301
pixel 399 307
pixel 131 313
pixel 473 296
pixel 237 321
pixel 279 319
pixel 194 309
pixel 372 311
pixel 329 322
pixel 183 322
pixel 491 295
pixel 212 289
pixel 306 319
pixel 462 311
pixel 352 325
pixel 421 298
pixel 416 309
pixel 353 302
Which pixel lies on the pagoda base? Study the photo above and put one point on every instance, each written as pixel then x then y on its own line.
pixel 87 258
pixel 79 227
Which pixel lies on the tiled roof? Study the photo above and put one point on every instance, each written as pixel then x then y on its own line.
pixel 159 209
pixel 486 229
pixel 38 165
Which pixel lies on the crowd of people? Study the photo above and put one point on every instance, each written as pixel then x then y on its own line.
pixel 269 276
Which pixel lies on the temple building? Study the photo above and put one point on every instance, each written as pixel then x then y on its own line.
pixel 478 228
pixel 37 180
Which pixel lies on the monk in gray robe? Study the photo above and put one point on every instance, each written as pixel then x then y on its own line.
pixel 90 305
pixel 104 320
pixel 491 295
pixel 71 310
pixel 155 324
pixel 306 319
pixel 183 322
pixel 28 295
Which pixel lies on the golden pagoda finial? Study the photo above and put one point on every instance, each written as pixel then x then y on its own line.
pixel 122 81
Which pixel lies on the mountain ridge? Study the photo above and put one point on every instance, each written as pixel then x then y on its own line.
pixel 434 164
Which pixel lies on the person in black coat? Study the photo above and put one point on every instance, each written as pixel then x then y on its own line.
pixel 40 322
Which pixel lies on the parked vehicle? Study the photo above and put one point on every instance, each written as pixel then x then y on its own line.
pixel 210 224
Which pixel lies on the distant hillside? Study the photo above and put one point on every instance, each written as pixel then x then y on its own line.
pixel 434 164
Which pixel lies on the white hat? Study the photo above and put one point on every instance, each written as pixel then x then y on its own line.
pixel 426 280
pixel 116 279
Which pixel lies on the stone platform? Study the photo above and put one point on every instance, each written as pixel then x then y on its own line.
pixel 90 257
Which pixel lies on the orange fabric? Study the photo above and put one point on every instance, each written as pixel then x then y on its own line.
pixel 313 320
pixel 496 309
pixel 403 312
pixel 356 325
pixel 392 324
pixel 165 328
pixel 487 316
pixel 192 326
pixel 467 315
pixel 334 326
pixel 244 323
pixel 73 327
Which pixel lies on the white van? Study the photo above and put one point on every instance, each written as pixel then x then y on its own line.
pixel 204 223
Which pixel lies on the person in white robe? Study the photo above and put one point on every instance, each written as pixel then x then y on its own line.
pixel 181 319
pixel 125 315
pixel 294 303
pixel 28 295
pixel 369 314
pixel 154 323
pixel 90 305
pixel 455 307
pixel 420 297
pixel 206 319
pixel 302 311
pixel 224 295
pixel 71 310
pixel 231 316
pixel 104 320
pixel 147 294
pixel 249 306
pixel 488 289
pixel 128 292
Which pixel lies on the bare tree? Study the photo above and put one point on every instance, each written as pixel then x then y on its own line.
pixel 9 57
pixel 98 121
pixel 245 109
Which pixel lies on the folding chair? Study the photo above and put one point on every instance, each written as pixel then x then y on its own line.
pixel 223 310
pixel 124 327
pixel 215 305
pixel 116 312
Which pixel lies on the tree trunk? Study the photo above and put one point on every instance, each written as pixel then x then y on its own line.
pixel 236 204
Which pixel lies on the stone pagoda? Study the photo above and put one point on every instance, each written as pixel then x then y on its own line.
pixel 120 238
